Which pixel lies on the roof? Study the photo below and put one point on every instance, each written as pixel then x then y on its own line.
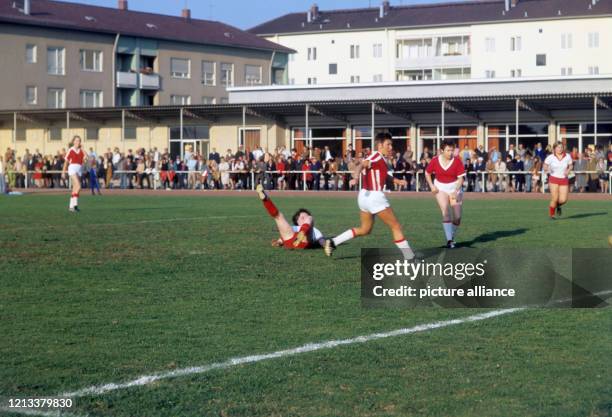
pixel 75 16
pixel 440 14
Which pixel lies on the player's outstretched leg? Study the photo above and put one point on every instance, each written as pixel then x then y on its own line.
pixel 284 228
pixel 367 221
pixel 554 198
pixel 388 217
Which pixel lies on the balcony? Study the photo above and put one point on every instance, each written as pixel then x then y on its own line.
pixel 127 79
pixel 149 81
pixel 434 62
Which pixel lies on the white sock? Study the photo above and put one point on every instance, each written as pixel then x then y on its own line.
pixel 72 202
pixel 343 237
pixel 448 230
pixel 405 248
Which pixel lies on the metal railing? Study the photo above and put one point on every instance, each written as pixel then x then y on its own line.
pixel 483 176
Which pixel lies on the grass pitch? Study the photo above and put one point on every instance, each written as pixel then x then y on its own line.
pixel 136 285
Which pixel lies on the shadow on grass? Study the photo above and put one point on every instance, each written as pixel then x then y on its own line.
pixel 585 215
pixel 491 237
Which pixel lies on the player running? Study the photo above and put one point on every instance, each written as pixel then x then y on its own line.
pixel 302 235
pixel 372 201
pixel 447 187
pixel 74 166
pixel 558 165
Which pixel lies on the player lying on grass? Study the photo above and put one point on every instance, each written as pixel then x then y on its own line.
pixel 301 235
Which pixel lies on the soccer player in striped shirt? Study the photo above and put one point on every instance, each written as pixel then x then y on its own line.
pixel 372 201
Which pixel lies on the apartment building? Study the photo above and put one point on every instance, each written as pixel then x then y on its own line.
pixel 68 55
pixel 446 41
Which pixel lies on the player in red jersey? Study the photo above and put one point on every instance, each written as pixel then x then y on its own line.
pixel 372 201
pixel 558 165
pixel 302 235
pixel 74 166
pixel 449 175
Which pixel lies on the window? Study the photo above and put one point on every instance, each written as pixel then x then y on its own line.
pixel 31 54
pixel 541 60
pixel 208 73
pixel 566 41
pixel 354 78
pixel 180 100
pixel 594 40
pixel 489 44
pixel 31 95
pixel 312 54
pixel 377 50
pixel 92 133
pixel 333 69
pixel 516 73
pixel 224 100
pixel 490 74
pixel 312 80
pixel 180 68
pixel 55 98
pixel 252 74
pixel 227 75
pixel 91 98
pixel 55 133
pixel 208 100
pixel 91 60
pixel 129 132
pixel 566 71
pixel 354 51
pixel 55 61
pixel 593 70
pixel 515 43
pixel 377 78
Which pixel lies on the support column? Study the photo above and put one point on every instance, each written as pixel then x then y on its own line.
pixel 413 140
pixel 552 132
pixel 373 127
pixel 181 130
pixel 595 118
pixel 68 125
pixel 307 139
pixel 481 138
pixel 442 128
pixel 14 127
pixel 516 124
pixel 243 127
pixel 123 130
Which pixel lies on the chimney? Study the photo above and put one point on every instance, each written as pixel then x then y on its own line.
pixel 507 5
pixel 313 13
pixel 384 9
pixel 26 7
pixel 186 14
pixel 123 5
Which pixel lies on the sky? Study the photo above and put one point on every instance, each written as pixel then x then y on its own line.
pixel 244 14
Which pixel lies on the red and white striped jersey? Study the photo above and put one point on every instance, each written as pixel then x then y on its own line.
pixel 374 177
pixel 75 156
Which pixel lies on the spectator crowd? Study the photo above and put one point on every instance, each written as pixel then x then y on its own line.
pixel 513 170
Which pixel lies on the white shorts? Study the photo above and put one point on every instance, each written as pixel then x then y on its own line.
pixel 372 201
pixel 449 188
pixel 74 169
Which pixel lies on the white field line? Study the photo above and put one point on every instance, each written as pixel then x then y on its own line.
pixel 309 347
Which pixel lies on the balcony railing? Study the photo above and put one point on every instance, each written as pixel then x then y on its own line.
pixel 149 81
pixel 127 79
pixel 434 61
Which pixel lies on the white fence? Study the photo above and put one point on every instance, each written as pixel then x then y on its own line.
pixel 482 176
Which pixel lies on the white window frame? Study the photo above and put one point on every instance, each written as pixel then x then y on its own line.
pixel 229 81
pixel 593 41
pixel 377 50
pixel 377 78
pixel 566 71
pixel 567 41
pixel 60 99
pixel 97 60
pixel 209 79
pixel 516 73
pixel 355 79
pixel 34 49
pixel 490 45
pixel 312 53
pixel 35 101
pixel 250 81
pixel 209 100
pixel 180 100
pixel 594 70
pixel 59 58
pixel 516 43
pixel 181 75
pixel 96 95
pixel 312 80
pixel 354 51
pixel 490 74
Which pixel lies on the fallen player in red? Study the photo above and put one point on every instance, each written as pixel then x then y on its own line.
pixel 301 235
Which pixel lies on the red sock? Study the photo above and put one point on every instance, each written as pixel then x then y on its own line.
pixel 269 205
pixel 551 211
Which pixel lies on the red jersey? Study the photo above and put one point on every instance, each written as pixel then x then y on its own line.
pixel 446 174
pixel 374 177
pixel 75 157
